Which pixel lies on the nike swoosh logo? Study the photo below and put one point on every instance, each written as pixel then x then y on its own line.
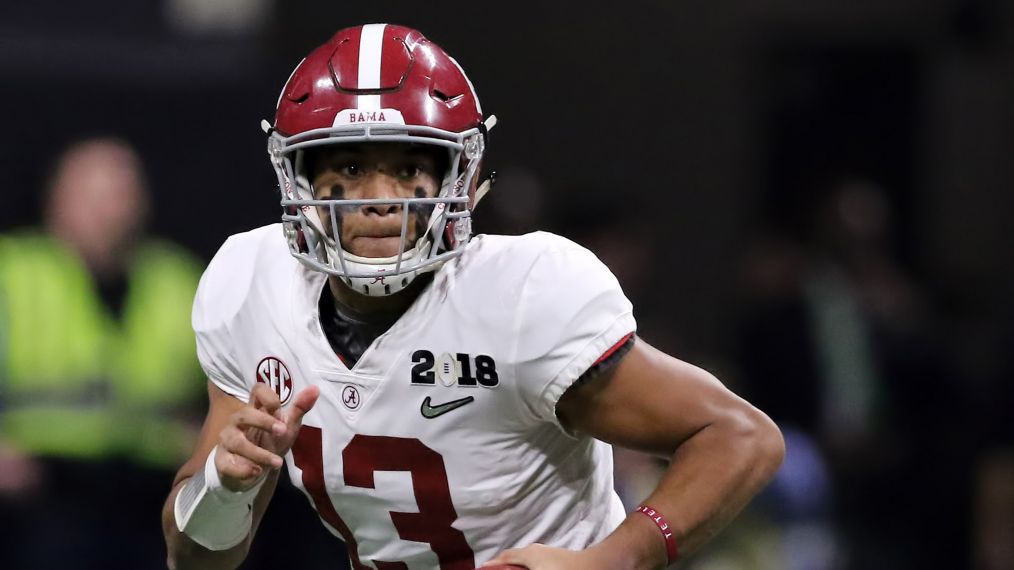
pixel 429 411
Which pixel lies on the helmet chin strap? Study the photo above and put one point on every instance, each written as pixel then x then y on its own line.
pixel 483 189
pixel 382 280
pixel 381 284
pixel 487 184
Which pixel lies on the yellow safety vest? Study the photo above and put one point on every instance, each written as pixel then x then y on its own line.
pixel 75 381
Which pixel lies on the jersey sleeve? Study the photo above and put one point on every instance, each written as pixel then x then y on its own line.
pixel 572 314
pixel 220 296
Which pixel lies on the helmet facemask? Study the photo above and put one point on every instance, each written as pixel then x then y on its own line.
pixel 443 221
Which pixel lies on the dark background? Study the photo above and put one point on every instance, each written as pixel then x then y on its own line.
pixel 696 120
pixel 676 139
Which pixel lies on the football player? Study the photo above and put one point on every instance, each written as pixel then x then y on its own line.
pixel 444 401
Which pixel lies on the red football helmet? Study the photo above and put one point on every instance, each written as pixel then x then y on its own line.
pixel 378 82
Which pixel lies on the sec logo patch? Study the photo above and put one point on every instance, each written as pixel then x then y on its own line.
pixel 272 371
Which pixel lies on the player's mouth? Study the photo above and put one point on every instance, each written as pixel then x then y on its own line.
pixel 376 244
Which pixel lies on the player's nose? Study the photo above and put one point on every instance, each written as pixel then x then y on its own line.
pixel 381 186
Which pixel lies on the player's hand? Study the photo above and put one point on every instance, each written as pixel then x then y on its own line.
pixel 542 557
pixel 258 435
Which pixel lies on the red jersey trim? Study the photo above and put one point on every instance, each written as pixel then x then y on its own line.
pixel 612 349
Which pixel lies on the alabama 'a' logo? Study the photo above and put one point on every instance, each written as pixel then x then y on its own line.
pixel 272 371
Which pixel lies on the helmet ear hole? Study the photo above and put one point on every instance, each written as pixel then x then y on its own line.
pixel 449 100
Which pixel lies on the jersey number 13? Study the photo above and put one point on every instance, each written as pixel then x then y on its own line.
pixel 363 456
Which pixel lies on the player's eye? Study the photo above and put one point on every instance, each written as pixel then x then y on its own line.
pixel 350 170
pixel 409 171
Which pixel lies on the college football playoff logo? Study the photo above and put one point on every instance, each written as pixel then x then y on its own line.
pixel 459 369
pixel 273 372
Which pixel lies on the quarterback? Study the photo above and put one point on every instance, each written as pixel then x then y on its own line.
pixel 444 401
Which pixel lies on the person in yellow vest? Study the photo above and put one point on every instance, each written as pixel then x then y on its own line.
pixel 100 392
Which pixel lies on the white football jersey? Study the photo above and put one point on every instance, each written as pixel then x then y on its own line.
pixel 440 447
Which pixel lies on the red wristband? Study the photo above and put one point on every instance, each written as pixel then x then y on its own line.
pixel 663 525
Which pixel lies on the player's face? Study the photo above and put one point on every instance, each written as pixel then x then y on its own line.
pixel 389 171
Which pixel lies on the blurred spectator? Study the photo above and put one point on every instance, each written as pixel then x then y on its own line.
pixel 994 477
pixel 838 342
pixel 98 377
pixel 994 511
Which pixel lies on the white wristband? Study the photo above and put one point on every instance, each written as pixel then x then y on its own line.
pixel 211 515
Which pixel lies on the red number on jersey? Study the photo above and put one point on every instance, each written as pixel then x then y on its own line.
pixel 364 456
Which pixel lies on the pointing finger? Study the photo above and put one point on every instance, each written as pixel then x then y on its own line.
pixel 302 403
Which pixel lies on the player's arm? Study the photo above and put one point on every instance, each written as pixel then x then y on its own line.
pixel 250 440
pixel 183 552
pixel 723 451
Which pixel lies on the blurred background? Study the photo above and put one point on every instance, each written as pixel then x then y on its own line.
pixel 810 198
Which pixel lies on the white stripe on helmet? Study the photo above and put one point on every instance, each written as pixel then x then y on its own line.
pixel 371 44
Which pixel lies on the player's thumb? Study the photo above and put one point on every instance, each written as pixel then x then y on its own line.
pixel 301 404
